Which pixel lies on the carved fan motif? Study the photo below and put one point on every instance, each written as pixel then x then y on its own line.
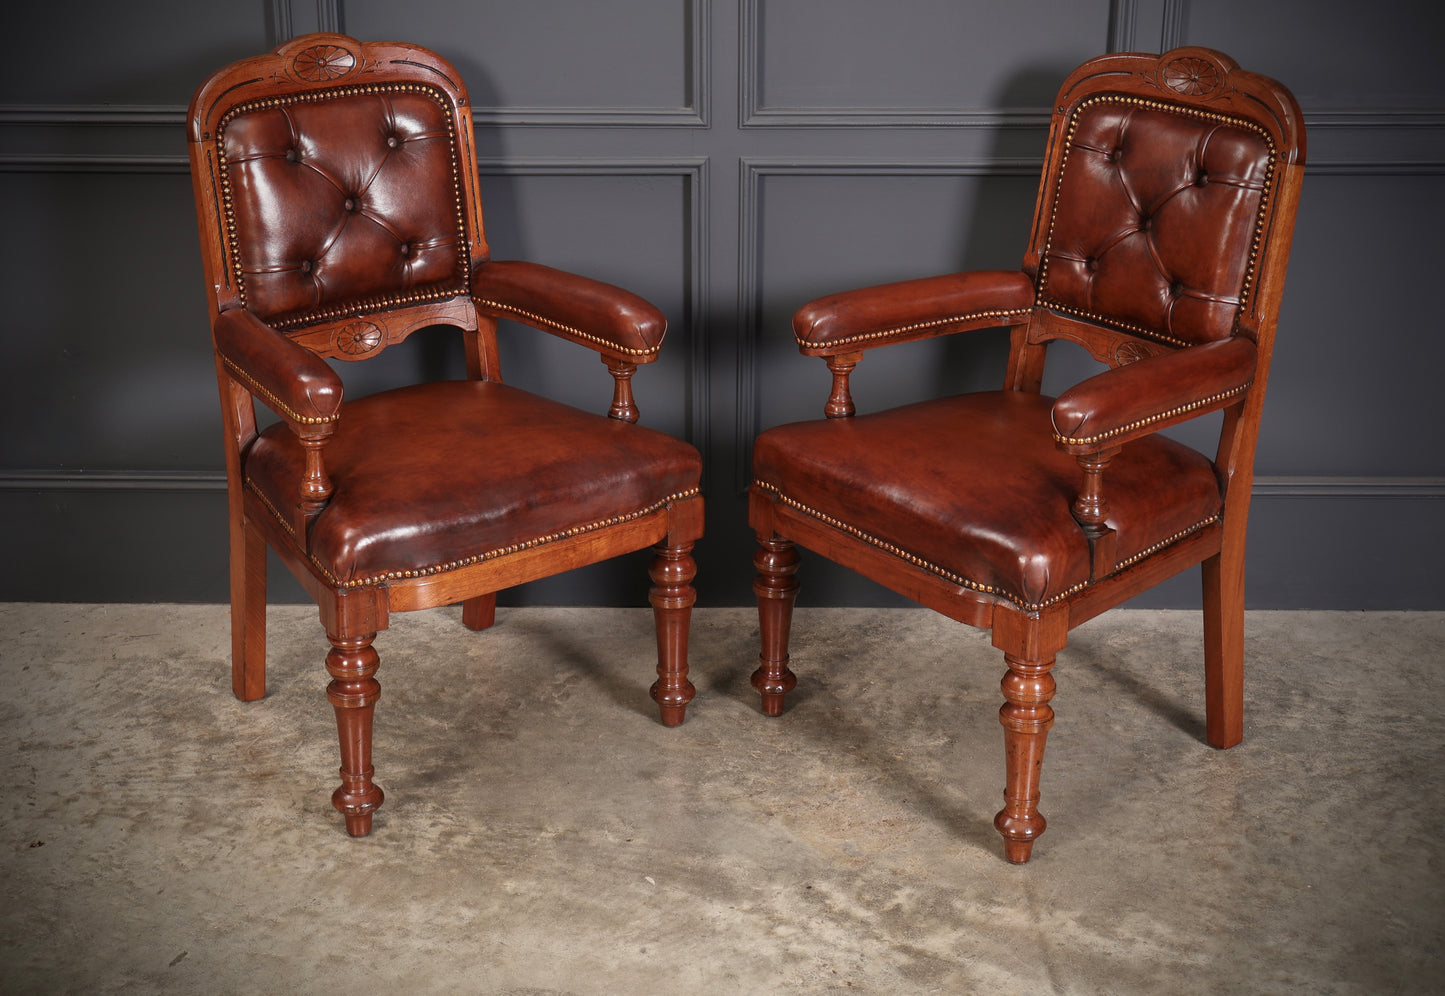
pixel 324 62
pixel 1191 77
pixel 1128 352
pixel 358 338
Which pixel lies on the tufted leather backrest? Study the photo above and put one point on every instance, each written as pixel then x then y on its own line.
pixel 336 192
pixel 342 200
pixel 1155 218
pixel 1165 208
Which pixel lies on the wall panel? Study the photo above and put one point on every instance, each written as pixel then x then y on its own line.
pixel 728 159
pixel 910 61
pixel 626 62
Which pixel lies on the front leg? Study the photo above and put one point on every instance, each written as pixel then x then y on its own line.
pixel 672 597
pixel 1026 717
pixel 352 664
pixel 777 590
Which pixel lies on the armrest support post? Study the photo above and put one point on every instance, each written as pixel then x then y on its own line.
pixel 315 490
pixel 624 406
pixel 1091 511
pixel 840 402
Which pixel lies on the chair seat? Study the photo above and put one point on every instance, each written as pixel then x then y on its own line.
pixel 973 488
pixel 441 475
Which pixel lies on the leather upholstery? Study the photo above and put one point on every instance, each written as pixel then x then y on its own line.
pixel 1161 234
pixel 1154 220
pixel 588 311
pixel 337 198
pixel 293 381
pixel 974 488
pixel 912 309
pixel 332 203
pixel 502 469
pixel 1117 406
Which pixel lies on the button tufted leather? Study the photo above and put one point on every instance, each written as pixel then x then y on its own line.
pixel 1155 235
pixel 330 202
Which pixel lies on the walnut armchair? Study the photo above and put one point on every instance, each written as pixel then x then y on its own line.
pixel 336 191
pixel 1160 238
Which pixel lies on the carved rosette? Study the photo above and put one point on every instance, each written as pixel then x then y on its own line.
pixel 358 337
pixel 1191 76
pixel 322 63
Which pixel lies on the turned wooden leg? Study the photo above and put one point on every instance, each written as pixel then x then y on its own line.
pixel 481 612
pixel 1223 651
pixel 248 613
pixel 672 596
pixel 777 590
pixel 352 664
pixel 1026 717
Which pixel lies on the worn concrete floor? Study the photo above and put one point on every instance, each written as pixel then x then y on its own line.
pixel 544 834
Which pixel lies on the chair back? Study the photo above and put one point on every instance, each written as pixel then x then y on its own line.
pixel 1166 206
pixel 336 192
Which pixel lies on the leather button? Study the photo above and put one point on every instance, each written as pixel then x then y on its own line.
pixel 292 156
pixel 350 204
pixel 392 141
pixel 306 266
pixel 405 249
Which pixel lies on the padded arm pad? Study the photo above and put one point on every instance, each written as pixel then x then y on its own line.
pixel 912 309
pixel 293 381
pixel 600 316
pixel 1132 401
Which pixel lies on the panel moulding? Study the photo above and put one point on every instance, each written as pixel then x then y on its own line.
pixel 752 174
pixel 752 113
pixel 694 172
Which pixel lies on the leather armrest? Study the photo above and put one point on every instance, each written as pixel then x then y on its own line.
pixel 912 309
pixel 598 315
pixel 1132 401
pixel 293 381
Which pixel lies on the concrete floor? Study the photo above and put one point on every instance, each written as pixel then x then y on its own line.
pixel 544 834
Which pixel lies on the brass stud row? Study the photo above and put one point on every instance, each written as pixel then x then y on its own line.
pixel 1159 417
pixel 1183 533
pixel 530 316
pixel 913 559
pixel 1157 105
pixel 354 307
pixel 453 565
pixel 965 582
pixel 255 387
pixel 905 329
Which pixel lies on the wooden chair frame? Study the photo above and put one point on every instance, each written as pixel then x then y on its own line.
pixel 280 362
pixel 1165 387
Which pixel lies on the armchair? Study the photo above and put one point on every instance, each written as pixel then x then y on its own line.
pixel 1159 244
pixel 336 192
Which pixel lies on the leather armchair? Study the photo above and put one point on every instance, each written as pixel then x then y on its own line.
pixel 336 193
pixel 1160 240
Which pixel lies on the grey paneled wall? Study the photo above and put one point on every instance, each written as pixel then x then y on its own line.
pixel 729 159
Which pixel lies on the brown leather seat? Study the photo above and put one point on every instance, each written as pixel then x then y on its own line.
pixel 989 493
pixel 1160 239
pixel 336 191
pixel 502 470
